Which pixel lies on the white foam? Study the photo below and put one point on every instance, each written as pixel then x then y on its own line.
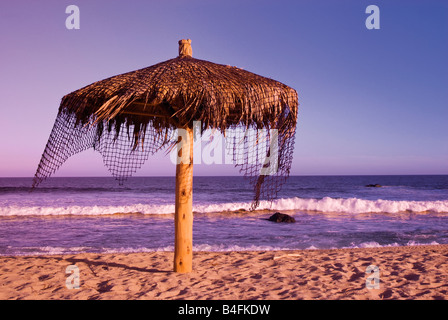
pixel 196 248
pixel 84 210
pixel 339 205
pixel 355 205
pixel 47 250
pixel 325 205
pixel 374 244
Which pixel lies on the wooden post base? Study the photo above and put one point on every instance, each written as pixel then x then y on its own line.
pixel 183 217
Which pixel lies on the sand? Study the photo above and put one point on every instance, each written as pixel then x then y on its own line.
pixel 414 272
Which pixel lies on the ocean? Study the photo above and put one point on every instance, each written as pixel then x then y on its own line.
pixel 73 215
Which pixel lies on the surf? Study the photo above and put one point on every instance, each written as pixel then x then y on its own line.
pixel 295 204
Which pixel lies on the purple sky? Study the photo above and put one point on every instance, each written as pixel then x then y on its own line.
pixel 371 101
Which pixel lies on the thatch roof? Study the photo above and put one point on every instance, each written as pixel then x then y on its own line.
pixel 130 116
pixel 181 90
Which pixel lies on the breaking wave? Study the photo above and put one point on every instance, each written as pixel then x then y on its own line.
pixel 355 205
pixel 324 205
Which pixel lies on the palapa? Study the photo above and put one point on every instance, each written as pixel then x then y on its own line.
pixel 133 115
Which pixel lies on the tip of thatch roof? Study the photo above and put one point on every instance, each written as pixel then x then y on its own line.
pixel 185 48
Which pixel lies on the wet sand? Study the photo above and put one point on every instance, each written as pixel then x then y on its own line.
pixel 414 272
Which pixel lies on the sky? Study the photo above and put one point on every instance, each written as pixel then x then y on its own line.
pixel 372 101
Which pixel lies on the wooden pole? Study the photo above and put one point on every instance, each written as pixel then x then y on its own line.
pixel 183 216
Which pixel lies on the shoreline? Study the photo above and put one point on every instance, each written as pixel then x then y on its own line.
pixel 405 272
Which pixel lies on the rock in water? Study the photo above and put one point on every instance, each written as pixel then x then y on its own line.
pixel 373 186
pixel 281 217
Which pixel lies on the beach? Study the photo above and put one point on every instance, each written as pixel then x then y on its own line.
pixel 119 239
pixel 405 272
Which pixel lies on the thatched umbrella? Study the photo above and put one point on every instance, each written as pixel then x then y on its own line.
pixel 130 116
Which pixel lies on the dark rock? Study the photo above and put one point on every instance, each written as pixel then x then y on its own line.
pixel 386 294
pixel 281 217
pixel 373 186
pixel 412 277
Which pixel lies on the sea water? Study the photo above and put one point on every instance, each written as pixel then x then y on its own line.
pixel 69 215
